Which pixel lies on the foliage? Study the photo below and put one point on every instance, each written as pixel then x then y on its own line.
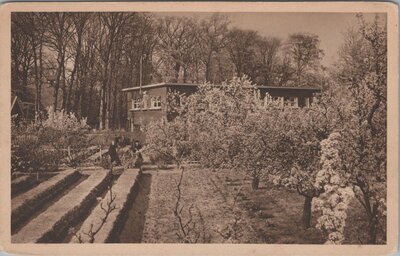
pixel 362 73
pixel 69 127
pixel 321 152
pixel 43 144
pixel 29 151
pixel 85 59
pixel 229 126
pixel 305 54
pixel 241 49
pixel 167 142
pixel 222 108
pixel 337 193
pixel 205 126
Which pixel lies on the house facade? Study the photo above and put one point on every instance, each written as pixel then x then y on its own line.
pixel 147 103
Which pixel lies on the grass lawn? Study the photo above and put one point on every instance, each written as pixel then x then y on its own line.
pixel 226 210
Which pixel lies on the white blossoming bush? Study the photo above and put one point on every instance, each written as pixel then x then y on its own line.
pixel 362 76
pixel 167 142
pixel 230 127
pixel 42 145
pixel 63 121
pixel 66 129
pixel 334 201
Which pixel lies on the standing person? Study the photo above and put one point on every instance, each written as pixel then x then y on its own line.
pixel 137 150
pixel 132 147
pixel 138 146
pixel 112 151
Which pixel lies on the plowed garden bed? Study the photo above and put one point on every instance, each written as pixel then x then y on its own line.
pixel 268 215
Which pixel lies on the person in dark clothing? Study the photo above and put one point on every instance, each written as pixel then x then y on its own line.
pixel 132 147
pixel 112 151
pixel 136 149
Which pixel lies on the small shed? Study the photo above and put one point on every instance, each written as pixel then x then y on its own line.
pixel 23 110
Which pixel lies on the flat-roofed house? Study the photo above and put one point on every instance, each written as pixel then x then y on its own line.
pixel 146 103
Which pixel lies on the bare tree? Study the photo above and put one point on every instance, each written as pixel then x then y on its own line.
pixel 21 54
pixel 80 21
pixel 177 41
pixel 112 27
pixel 188 229
pixel 305 53
pixel 241 51
pixel 58 34
pixel 213 38
pixel 267 52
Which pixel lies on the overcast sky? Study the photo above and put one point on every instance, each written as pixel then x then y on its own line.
pixel 328 26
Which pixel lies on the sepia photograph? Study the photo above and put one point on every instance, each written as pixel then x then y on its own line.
pixel 149 126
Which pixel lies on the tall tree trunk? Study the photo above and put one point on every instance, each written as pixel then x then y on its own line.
pixel 55 95
pixel 57 80
pixel 208 67
pixel 185 75
pixel 103 122
pixel 373 221
pixel 102 112
pixel 114 110
pixel 103 99
pixel 371 209
pixel 239 67
pixel 64 88
pixel 121 116
pixel 177 68
pixel 108 105
pixel 40 71
pixel 35 66
pixel 25 78
pixel 74 70
pixel 306 219
pixel 372 230
pixel 78 93
pixel 89 104
pixel 70 85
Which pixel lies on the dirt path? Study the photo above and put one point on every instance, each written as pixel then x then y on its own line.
pixel 210 208
pixel 133 227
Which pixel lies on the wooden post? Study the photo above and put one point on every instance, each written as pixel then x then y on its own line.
pixel 140 74
pixel 101 154
pixel 37 176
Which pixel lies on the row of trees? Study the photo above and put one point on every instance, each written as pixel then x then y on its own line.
pixel 329 153
pixel 87 58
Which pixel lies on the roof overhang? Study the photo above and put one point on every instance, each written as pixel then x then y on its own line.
pixel 158 85
pixel 314 89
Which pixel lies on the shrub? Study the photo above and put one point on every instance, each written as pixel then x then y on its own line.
pixel 41 145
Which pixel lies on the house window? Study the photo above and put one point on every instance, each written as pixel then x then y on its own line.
pixel 291 102
pixel 136 104
pixel 267 99
pixel 145 100
pixel 307 102
pixel 181 100
pixel 155 102
pixel 277 101
pixel 131 124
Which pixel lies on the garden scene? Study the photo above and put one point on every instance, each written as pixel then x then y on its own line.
pixel 228 163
